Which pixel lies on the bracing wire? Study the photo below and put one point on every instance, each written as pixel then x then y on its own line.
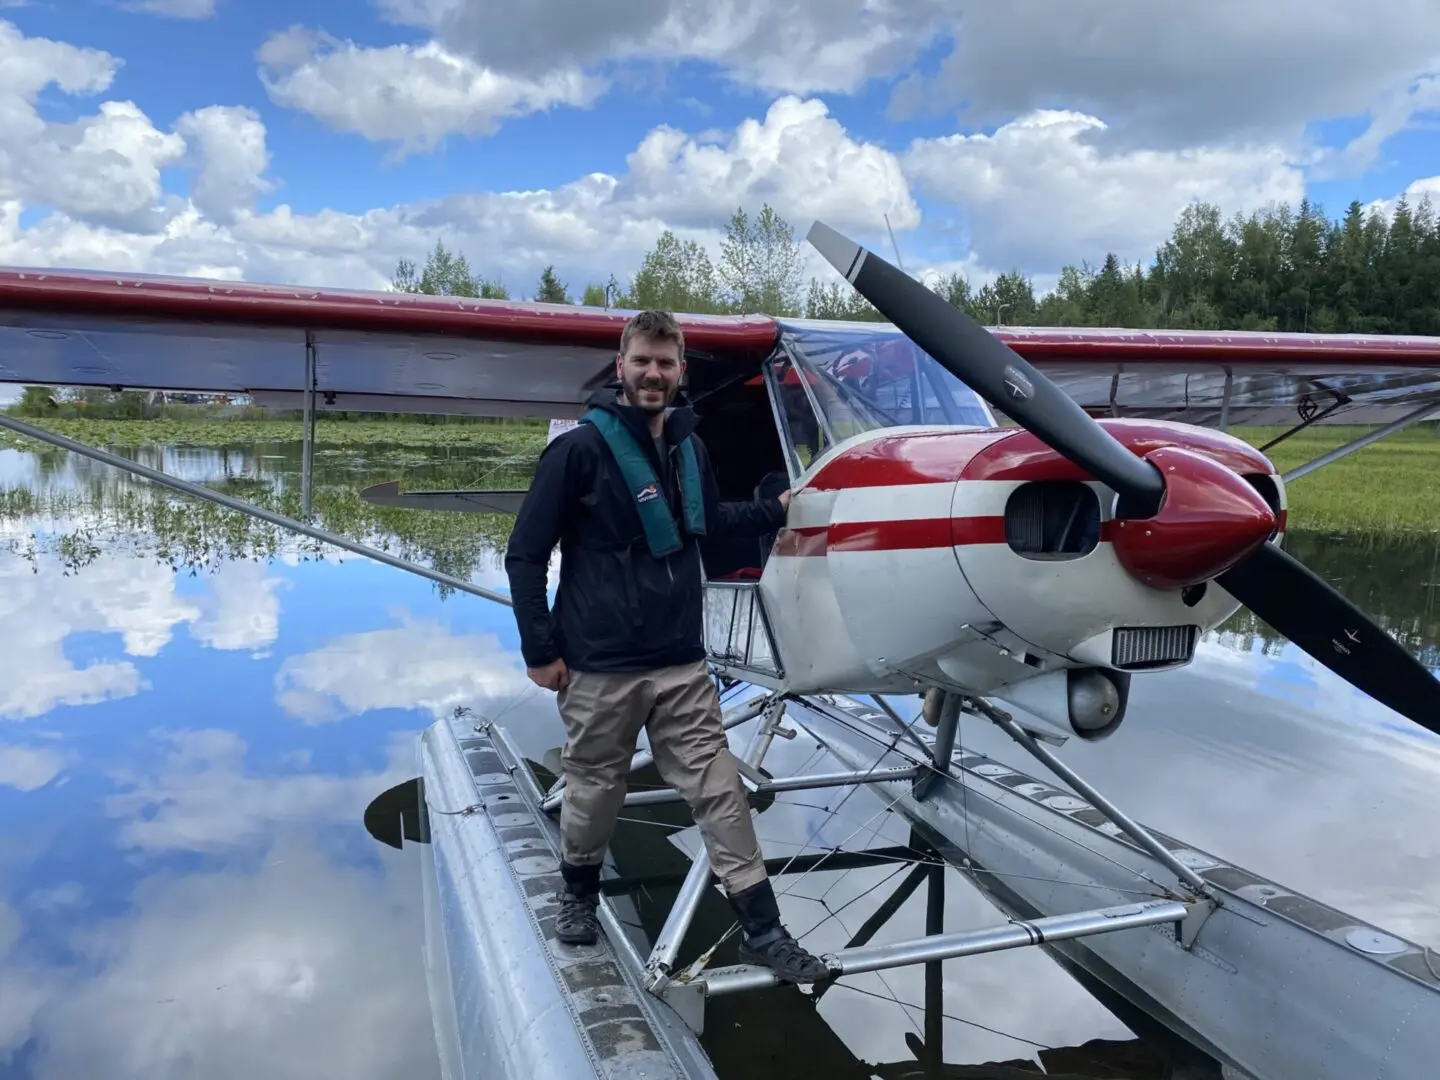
pixel 949 778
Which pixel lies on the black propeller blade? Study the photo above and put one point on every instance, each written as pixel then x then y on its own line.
pixel 1306 609
pixel 1276 587
pixel 993 370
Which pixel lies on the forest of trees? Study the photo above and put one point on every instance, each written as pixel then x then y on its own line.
pixel 1283 269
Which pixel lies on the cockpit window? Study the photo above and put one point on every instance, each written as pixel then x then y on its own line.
pixel 835 380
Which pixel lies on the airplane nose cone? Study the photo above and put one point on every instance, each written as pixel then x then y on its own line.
pixel 1210 519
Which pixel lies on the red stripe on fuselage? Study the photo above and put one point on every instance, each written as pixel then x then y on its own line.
pixel 904 535
pixel 914 534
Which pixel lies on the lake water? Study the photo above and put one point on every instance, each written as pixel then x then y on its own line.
pixel 196 709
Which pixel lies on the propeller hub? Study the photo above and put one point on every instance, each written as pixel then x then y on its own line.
pixel 1209 519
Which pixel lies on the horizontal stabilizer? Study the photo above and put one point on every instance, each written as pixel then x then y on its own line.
pixel 505 501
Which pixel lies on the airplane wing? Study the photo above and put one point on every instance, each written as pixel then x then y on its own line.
pixel 403 352
pixel 1193 376
pixel 371 351
pixel 1249 377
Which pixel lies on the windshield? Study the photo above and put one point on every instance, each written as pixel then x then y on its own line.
pixel 836 380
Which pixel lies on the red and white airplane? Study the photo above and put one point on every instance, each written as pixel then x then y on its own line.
pixel 927 546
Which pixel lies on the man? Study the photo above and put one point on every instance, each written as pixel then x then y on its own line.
pixel 627 493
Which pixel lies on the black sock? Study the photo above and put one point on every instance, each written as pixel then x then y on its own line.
pixel 757 908
pixel 582 881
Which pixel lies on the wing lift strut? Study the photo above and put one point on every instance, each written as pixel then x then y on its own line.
pixel 1311 413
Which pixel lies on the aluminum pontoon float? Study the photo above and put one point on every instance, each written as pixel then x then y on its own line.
pixel 511 1001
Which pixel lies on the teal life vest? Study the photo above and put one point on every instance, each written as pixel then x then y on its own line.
pixel 661 532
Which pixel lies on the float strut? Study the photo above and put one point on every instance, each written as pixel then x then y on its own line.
pixel 1130 828
pixel 947 726
pixel 925 950
pixel 697 881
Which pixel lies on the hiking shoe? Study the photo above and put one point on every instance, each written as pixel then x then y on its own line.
pixel 577 922
pixel 781 953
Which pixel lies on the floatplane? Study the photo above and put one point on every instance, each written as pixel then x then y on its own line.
pixel 936 562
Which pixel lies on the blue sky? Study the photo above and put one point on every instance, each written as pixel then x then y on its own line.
pixel 321 144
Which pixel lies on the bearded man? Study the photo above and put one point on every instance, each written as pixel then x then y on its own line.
pixel 627 494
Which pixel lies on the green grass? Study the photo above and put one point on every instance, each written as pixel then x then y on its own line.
pixel 1392 486
pixel 334 434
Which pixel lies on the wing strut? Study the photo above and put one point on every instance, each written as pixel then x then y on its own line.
pixel 187 488
pixel 1424 412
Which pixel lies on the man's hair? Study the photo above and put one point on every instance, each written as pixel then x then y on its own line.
pixel 658 325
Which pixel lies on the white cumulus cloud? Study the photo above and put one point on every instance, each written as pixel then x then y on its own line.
pixel 231 160
pixel 412 95
pixel 1040 191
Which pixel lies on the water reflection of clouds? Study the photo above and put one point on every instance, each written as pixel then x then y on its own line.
pixel 298 967
pixel 202 796
pixel 418 664
pixel 295 950
pixel 240 610
pixel 137 599
pixel 1288 676
pixel 27 768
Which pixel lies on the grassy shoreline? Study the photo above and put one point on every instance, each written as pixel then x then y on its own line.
pixel 1392 486
pixel 1389 487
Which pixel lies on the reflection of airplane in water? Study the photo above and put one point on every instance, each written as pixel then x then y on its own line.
pixel 928 551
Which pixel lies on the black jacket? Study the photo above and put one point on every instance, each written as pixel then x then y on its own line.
pixel 618 608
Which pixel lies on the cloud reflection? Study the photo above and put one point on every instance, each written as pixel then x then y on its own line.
pixel 300 968
pixel 117 594
pixel 418 664
pixel 202 797
pixel 27 768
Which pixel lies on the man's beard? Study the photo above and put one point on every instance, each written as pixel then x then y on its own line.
pixel 647 402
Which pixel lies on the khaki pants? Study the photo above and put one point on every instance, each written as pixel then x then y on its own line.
pixel 603 714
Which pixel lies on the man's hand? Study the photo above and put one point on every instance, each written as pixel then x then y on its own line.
pixel 553 676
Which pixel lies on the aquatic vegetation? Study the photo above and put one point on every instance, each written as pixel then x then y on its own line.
pixel 500 437
pixel 74 504
pixel 1388 487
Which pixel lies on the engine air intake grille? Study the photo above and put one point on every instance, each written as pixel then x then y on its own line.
pixel 1052 519
pixel 1137 647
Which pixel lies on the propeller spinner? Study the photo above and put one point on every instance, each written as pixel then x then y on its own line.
pixel 1181 518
